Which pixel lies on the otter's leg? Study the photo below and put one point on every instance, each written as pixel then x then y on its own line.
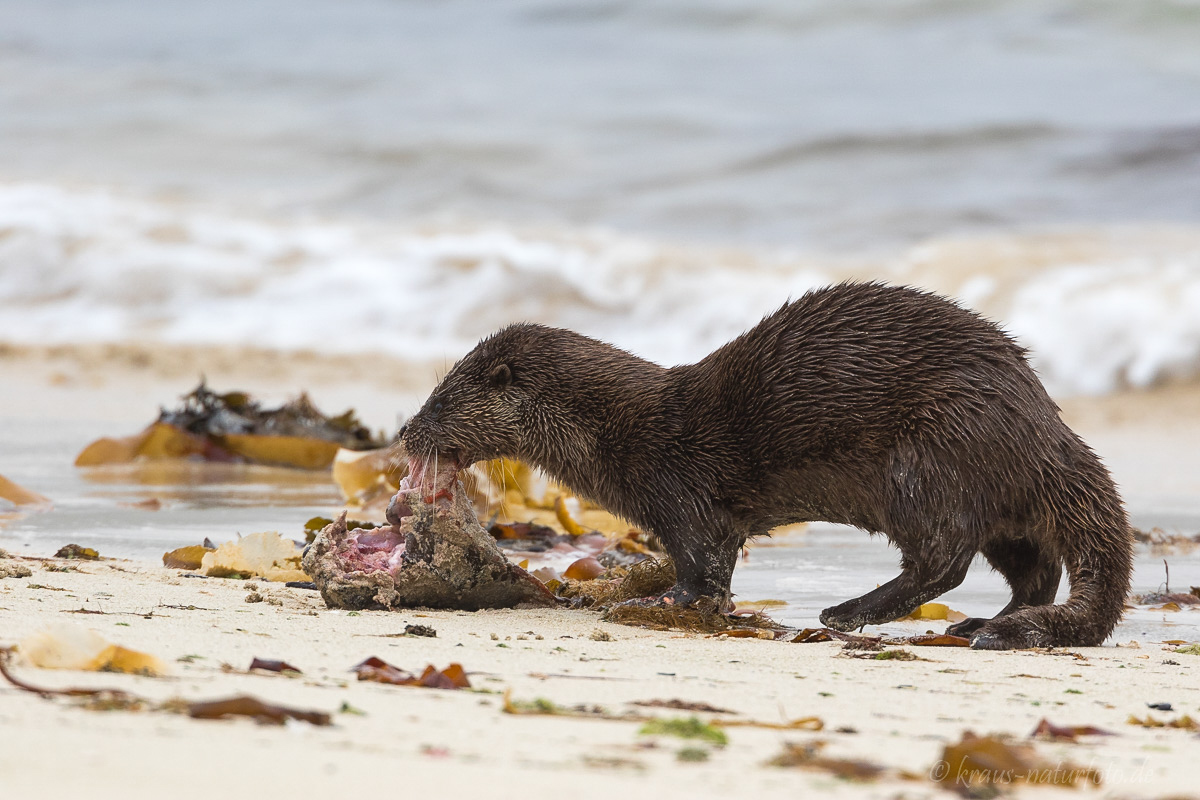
pixel 1098 563
pixel 704 562
pixel 924 575
pixel 1031 573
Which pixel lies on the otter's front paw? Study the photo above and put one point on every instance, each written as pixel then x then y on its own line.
pixel 845 617
pixel 967 626
pixel 680 597
pixel 675 597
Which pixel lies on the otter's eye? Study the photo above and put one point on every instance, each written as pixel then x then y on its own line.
pixel 437 407
pixel 501 376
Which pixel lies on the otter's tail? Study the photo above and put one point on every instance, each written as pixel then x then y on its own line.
pixel 1089 532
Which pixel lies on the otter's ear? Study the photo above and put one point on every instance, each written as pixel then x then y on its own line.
pixel 501 376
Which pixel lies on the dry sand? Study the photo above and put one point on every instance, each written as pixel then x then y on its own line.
pixel 456 743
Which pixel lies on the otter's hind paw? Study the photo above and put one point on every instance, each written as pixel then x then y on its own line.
pixel 1011 632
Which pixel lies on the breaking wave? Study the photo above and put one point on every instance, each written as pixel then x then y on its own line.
pixel 1100 309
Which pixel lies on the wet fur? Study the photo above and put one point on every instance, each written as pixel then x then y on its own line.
pixel 881 407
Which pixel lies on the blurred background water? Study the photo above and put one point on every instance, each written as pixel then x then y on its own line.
pixel 466 162
pixel 829 124
pixel 470 162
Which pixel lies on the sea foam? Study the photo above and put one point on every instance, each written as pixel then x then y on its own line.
pixel 80 266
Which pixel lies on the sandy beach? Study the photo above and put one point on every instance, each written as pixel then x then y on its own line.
pixel 894 714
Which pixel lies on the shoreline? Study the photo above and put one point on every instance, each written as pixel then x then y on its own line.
pixel 1147 437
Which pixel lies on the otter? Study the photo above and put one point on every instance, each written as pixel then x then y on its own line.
pixel 887 408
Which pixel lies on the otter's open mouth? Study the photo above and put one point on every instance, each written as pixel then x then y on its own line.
pixel 433 553
pixel 428 482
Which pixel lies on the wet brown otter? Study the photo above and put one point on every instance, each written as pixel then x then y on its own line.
pixel 886 408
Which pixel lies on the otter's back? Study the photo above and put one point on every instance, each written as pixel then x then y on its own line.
pixel 856 367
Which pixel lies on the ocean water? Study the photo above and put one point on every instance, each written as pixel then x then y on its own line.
pixel 659 174
pixel 831 124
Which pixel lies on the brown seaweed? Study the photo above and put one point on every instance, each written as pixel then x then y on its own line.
pixel 247 706
pixel 233 427
pixel 377 670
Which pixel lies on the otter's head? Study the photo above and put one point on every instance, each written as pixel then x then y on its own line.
pixel 481 408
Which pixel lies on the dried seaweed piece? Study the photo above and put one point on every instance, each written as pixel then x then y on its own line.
pixel 703 616
pixel 681 705
pixel 746 633
pixel 377 670
pixel 452 677
pixel 801 724
pixel 994 761
pixel 13 569
pixel 758 605
pixel 149 504
pixel 1176 599
pixel 20 496
pixel 890 655
pixel 1185 723
pixel 265 554
pixel 648 578
pixel 1162 542
pixel 542 707
pixel 272 665
pixel 564 518
pixel 935 611
pixel 189 557
pixel 363 475
pixel 522 530
pixel 1069 733
pixel 66 646
pixel 247 706
pixel 208 413
pixel 157 442
pixel 808 756
pixel 937 640
pixel 115 694
pixel 78 552
pixel 809 635
pixel 854 641
pixel 420 630
pixel 281 451
pixel 234 427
